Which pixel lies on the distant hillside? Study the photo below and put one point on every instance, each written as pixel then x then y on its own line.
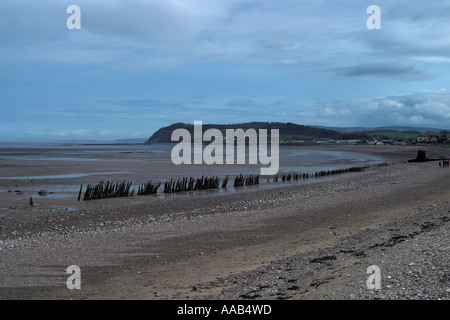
pixel 400 133
pixel 387 128
pixel 288 131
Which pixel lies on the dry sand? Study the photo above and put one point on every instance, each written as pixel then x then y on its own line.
pixel 295 241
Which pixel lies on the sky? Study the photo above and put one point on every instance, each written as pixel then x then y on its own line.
pixel 136 66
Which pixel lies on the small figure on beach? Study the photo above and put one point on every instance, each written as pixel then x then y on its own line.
pixel 444 164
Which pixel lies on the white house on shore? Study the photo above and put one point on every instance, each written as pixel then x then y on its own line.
pixel 427 137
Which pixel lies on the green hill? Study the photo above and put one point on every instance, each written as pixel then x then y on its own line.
pixel 288 131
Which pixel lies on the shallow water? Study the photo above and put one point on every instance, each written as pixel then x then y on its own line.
pixel 158 165
pixel 60 176
pixel 81 152
pixel 138 164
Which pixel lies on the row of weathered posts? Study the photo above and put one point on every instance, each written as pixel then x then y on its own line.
pixel 148 188
pixel 246 180
pixel 107 190
pixel 191 184
pixel 123 189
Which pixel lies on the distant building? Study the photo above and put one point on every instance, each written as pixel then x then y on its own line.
pixel 427 137
pixel 424 137
pixel 448 137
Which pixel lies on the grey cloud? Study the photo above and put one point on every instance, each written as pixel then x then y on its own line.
pixel 32 21
pixel 138 35
pixel 424 108
pixel 136 20
pixel 407 44
pixel 403 72
pixel 134 34
pixel 429 12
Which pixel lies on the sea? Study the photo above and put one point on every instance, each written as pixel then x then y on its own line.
pixel 156 159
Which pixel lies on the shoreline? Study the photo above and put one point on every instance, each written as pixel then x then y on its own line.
pixel 62 179
pixel 211 247
pixel 62 193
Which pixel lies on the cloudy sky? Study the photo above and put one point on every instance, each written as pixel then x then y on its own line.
pixel 137 65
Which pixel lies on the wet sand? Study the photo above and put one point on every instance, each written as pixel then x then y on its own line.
pixel 213 245
pixel 61 170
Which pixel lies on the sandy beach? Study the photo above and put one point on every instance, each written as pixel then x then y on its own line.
pixel 295 241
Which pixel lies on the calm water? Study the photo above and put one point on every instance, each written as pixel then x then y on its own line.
pixel 292 159
pixel 78 152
